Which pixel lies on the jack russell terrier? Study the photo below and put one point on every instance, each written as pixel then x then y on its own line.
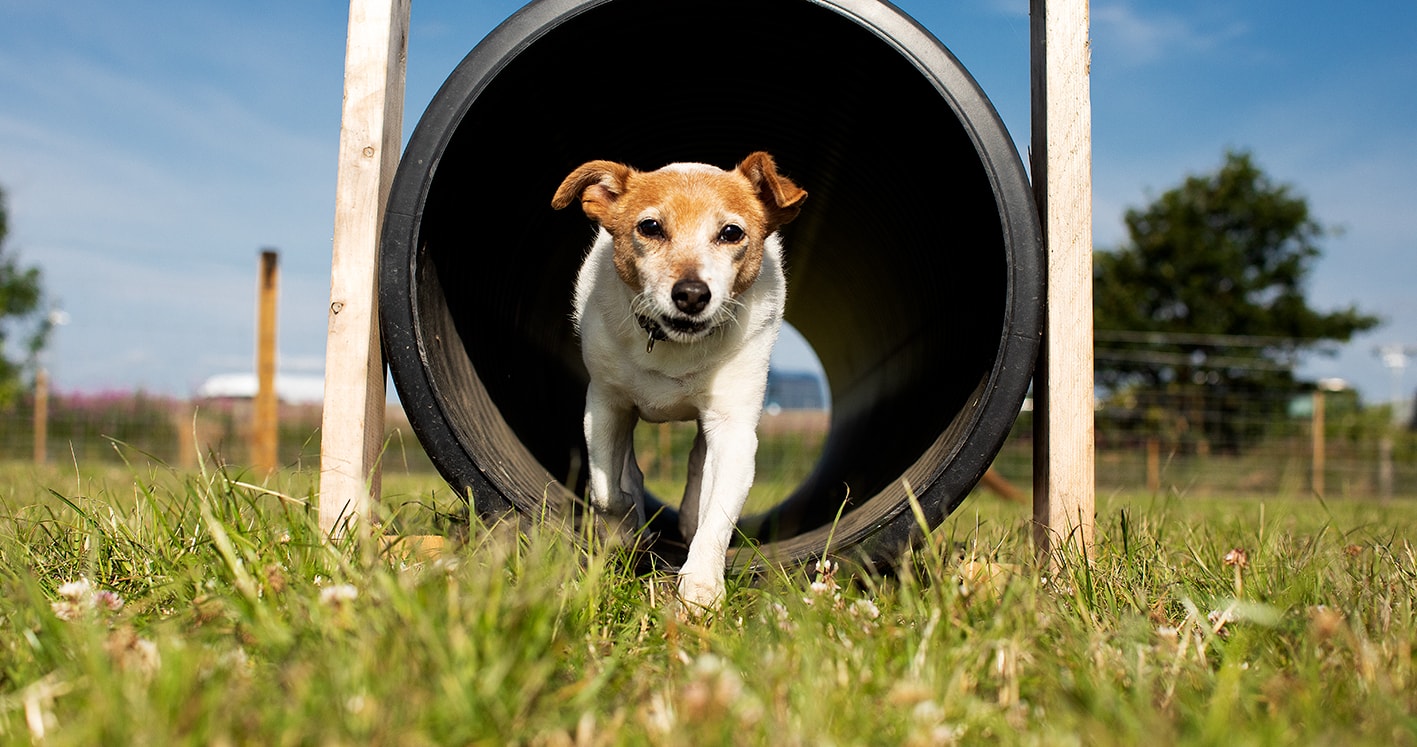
pixel 678 305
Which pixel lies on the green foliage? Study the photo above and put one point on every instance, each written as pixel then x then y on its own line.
pixel 1206 302
pixel 21 321
pixel 168 608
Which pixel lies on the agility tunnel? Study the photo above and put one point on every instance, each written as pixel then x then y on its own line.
pixel 915 270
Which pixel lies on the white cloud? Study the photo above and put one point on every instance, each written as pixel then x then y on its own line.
pixel 1141 37
pixel 1014 8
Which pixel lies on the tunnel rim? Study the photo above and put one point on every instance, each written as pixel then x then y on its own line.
pixel 1001 392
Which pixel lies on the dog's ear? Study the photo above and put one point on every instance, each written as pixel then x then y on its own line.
pixel 598 183
pixel 781 198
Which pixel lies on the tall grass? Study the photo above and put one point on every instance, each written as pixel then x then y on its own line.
pixel 153 607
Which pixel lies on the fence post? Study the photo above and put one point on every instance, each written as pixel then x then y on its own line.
pixel 1385 470
pixel 41 417
pixel 184 419
pixel 265 413
pixel 1064 460
pixel 1153 465
pixel 371 129
pixel 1317 426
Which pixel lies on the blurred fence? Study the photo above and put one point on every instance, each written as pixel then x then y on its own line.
pixel 112 427
pixel 1183 444
pixel 1324 443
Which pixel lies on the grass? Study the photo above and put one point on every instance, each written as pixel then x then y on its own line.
pixel 784 460
pixel 151 607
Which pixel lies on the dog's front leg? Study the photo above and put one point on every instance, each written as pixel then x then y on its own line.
pixel 693 488
pixel 730 445
pixel 616 487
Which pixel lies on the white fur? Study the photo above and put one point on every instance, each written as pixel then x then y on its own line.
pixel 717 379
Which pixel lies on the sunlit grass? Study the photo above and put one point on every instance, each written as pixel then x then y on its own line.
pixel 152 607
pixel 783 462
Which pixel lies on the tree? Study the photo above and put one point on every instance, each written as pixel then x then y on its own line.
pixel 22 325
pixel 1205 304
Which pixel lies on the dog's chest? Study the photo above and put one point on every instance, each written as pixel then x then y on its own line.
pixel 667 408
pixel 659 392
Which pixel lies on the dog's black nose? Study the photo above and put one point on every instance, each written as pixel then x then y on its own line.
pixel 691 296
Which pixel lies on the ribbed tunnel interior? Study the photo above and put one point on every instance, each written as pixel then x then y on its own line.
pixel 913 270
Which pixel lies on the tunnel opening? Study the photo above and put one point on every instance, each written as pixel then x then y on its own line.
pixel 914 269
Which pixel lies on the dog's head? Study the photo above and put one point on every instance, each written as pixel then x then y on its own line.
pixel 689 237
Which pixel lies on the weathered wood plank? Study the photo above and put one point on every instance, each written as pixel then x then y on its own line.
pixel 370 136
pixel 1064 462
pixel 265 417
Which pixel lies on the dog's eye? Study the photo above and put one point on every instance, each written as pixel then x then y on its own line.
pixel 650 228
pixel 730 234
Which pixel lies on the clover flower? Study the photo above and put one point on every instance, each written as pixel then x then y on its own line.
pixel 79 598
pixel 338 595
pixel 1238 559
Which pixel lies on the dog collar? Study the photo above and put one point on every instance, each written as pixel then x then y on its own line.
pixel 656 332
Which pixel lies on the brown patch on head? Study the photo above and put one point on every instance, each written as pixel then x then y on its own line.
pixel 691 204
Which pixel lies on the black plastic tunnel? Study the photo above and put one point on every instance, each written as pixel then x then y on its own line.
pixel 914 271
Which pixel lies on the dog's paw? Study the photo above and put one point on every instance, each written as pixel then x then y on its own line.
pixel 699 595
pixel 612 531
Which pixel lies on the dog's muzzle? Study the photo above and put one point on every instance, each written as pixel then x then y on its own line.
pixel 656 328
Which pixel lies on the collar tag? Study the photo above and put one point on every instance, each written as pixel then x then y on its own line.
pixel 656 332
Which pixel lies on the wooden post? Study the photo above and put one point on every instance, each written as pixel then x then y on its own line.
pixel 1318 441
pixel 185 421
pixel 41 417
pixel 1153 465
pixel 370 136
pixel 1385 471
pixel 264 412
pixel 1064 461
pixel 1000 486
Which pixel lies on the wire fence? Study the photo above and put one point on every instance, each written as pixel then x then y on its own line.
pixel 117 427
pixel 1190 441
pixel 1341 450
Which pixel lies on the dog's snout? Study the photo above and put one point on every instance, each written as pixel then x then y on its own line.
pixel 691 296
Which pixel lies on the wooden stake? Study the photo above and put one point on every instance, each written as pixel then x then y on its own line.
pixel 265 410
pixel 1000 486
pixel 1317 426
pixel 1153 465
pixel 1064 461
pixel 185 421
pixel 370 136
pixel 41 417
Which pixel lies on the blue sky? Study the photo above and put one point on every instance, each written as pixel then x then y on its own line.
pixel 150 150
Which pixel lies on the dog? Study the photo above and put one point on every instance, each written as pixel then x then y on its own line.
pixel 678 304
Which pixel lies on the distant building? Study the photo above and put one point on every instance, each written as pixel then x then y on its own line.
pixel 290 388
pixel 795 390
